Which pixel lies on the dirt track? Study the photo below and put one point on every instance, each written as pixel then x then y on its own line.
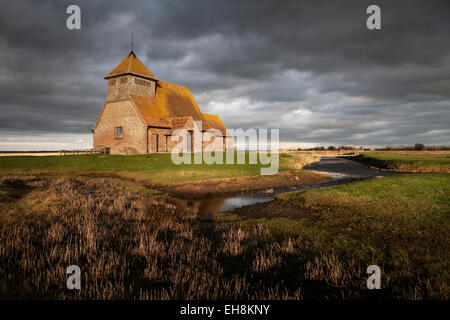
pixel 231 186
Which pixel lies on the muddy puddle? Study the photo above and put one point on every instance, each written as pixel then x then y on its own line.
pixel 231 202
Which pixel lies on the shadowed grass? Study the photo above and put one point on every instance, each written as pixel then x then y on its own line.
pixel 130 246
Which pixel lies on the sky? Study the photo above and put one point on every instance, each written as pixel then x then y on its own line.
pixel 309 68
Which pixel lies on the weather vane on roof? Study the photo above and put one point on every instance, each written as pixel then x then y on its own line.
pixel 132 34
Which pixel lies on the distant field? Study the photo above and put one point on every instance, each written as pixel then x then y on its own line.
pixel 407 161
pixel 158 168
pixel 401 223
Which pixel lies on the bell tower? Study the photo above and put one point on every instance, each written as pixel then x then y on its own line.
pixel 131 76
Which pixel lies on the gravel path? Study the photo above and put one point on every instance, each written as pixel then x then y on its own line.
pixel 342 171
pixel 340 167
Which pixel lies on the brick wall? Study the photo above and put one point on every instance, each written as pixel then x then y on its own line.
pixel 120 87
pixel 137 138
pixel 121 114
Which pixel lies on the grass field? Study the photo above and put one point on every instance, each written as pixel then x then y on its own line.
pixel 401 223
pixel 310 244
pixel 407 161
pixel 157 168
pixel 130 246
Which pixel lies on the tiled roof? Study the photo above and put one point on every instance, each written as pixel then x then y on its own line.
pixel 131 65
pixel 215 122
pixel 178 101
pixel 181 122
pixel 153 114
pixel 172 107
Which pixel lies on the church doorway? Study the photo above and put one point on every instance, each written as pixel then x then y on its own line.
pixel 189 140
pixel 161 143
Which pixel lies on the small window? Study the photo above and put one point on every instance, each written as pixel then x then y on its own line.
pixel 118 133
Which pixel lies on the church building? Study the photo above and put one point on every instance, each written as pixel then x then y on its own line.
pixel 141 113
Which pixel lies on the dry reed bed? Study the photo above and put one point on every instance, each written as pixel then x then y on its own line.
pixel 131 247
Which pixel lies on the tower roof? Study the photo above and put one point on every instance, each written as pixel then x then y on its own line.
pixel 131 65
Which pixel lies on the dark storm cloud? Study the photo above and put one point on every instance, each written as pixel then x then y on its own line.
pixel 310 68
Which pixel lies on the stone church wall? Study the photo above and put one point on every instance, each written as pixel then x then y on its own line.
pixel 121 114
pixel 120 87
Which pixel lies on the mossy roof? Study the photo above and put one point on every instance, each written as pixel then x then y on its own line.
pixel 131 65
pixel 172 106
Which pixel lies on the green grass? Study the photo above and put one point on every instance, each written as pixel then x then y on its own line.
pixel 155 167
pixel 407 162
pixel 403 207
pixel 401 223
pixel 297 160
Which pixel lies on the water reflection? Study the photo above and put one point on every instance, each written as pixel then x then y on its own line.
pixel 218 204
pixel 229 203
